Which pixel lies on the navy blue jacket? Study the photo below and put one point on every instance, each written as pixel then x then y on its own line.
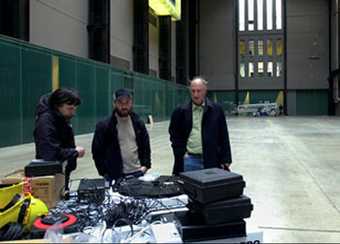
pixel 215 138
pixel 106 149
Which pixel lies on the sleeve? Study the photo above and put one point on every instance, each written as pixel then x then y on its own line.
pixel 98 149
pixel 225 151
pixel 146 160
pixel 178 142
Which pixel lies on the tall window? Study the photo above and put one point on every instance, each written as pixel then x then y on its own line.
pixel 261 40
pixel 250 15
pixel 241 15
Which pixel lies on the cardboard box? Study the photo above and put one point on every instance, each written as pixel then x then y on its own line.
pixel 48 188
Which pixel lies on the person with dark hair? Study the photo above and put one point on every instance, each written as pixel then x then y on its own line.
pixel 198 132
pixel 121 144
pixel 53 133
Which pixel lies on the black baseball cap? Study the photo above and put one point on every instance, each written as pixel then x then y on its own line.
pixel 122 93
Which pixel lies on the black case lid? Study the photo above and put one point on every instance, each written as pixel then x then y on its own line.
pixel 208 177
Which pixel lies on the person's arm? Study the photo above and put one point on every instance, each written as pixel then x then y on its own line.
pixel 146 150
pixel 98 149
pixel 225 152
pixel 49 145
pixel 177 139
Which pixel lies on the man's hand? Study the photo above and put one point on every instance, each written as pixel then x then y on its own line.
pixel 143 169
pixel 81 151
pixel 225 166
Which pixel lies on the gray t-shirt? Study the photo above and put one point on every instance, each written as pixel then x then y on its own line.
pixel 128 145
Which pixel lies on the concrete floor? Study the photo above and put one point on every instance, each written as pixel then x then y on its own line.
pixel 290 164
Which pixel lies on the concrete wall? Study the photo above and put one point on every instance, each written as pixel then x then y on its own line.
pixel 307 44
pixel 122 30
pixel 216 43
pixel 60 25
pixel 154 47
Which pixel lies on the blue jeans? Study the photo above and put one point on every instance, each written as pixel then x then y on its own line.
pixel 192 163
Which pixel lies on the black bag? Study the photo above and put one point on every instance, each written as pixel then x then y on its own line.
pixel 211 185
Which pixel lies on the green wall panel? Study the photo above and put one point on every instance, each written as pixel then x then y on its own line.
pixel 36 81
pixel 312 102
pixel 10 95
pixel 103 93
pixel 67 72
pixel 86 85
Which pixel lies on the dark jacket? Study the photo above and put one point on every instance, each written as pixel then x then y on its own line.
pixel 215 138
pixel 53 136
pixel 106 149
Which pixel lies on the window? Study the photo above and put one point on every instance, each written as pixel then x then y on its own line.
pixel 260 15
pixel 241 15
pixel 260 47
pixel 251 47
pixel 269 47
pixel 261 41
pixel 270 69
pixel 260 68
pixel 269 14
pixel 242 48
pixel 242 70
pixel 279 47
pixel 278 69
pixel 278 10
pixel 251 70
pixel 250 15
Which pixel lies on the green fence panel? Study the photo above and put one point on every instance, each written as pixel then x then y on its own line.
pixel 36 81
pixel 103 93
pixel 10 95
pixel 85 84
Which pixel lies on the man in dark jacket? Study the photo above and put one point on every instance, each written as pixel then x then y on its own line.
pixel 121 143
pixel 198 132
pixel 53 133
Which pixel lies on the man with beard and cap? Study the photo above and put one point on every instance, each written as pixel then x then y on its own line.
pixel 53 133
pixel 121 145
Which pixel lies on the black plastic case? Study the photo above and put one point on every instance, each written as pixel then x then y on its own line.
pixel 194 230
pixel 223 211
pixel 211 185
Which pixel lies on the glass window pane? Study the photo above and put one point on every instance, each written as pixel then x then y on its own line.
pixel 269 48
pixel 251 47
pixel 269 14
pixel 260 47
pixel 259 14
pixel 278 14
pixel 260 68
pixel 250 10
pixel 279 47
pixel 241 15
pixel 270 69
pixel 251 70
pixel 250 15
pixel 242 70
pixel 278 69
pixel 242 47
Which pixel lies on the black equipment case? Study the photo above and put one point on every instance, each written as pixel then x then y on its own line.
pixel 193 229
pixel 211 185
pixel 223 211
pixel 39 167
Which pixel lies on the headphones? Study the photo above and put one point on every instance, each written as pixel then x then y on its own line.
pixel 15 230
